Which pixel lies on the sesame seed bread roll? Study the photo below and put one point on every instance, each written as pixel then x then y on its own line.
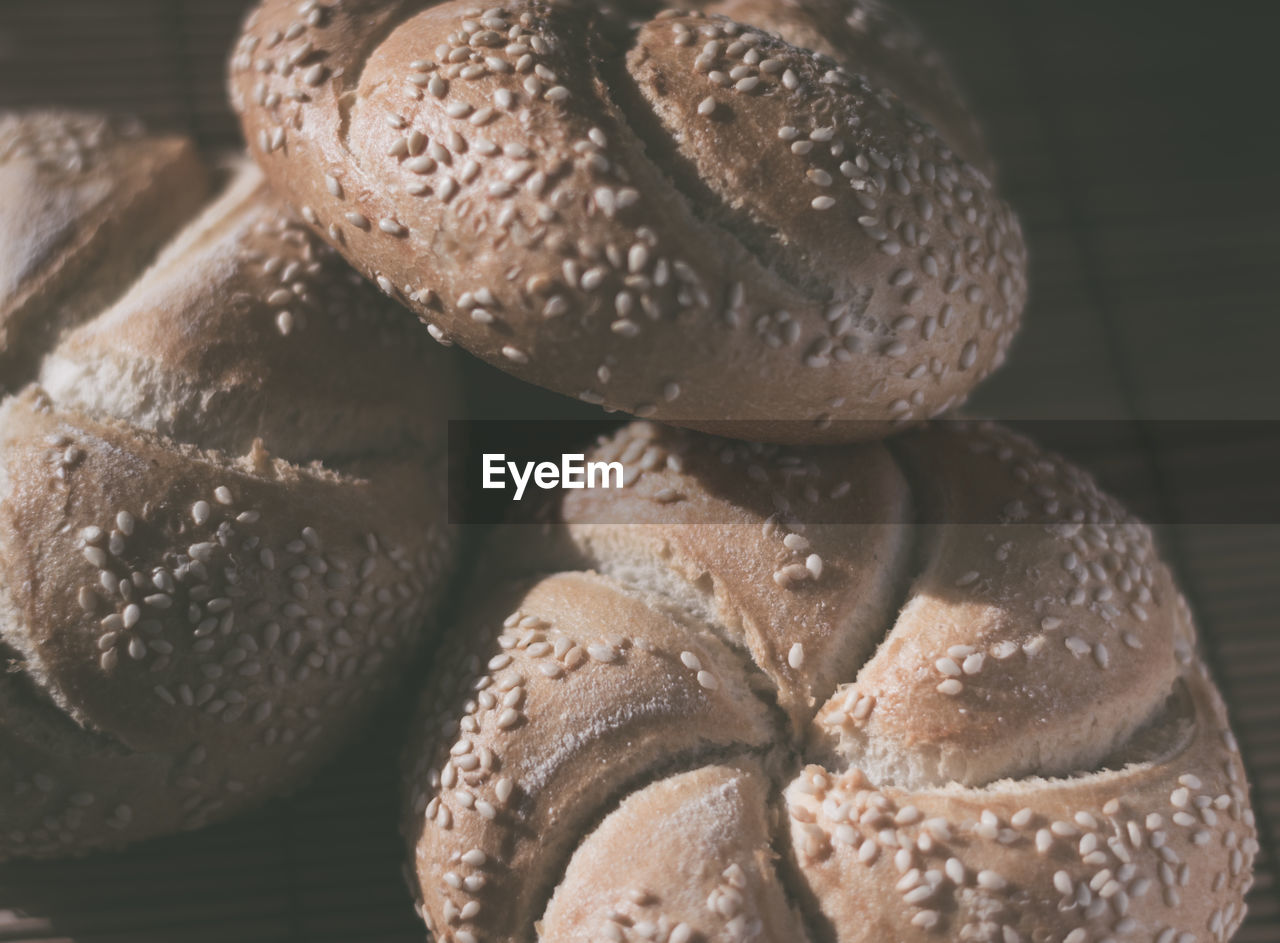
pixel 206 577
pixel 1019 741
pixel 87 202
pixel 681 216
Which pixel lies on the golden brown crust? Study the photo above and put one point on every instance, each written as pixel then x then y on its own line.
pixel 809 599
pixel 698 222
pixel 279 341
pixel 584 689
pixel 87 202
pixel 1159 848
pixel 708 848
pixel 1035 618
pixel 1077 781
pixel 874 39
pixel 221 529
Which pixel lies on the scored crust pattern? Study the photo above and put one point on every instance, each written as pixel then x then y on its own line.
pixel 686 712
pixel 221 495
pixel 672 213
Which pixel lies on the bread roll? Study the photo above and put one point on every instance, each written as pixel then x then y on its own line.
pixel 699 216
pixel 694 709
pixel 222 521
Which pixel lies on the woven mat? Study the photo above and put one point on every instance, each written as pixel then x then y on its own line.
pixel 1134 140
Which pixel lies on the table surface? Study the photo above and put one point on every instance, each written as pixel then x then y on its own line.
pixel 1137 140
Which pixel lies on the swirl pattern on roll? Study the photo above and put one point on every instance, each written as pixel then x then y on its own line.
pixel 688 710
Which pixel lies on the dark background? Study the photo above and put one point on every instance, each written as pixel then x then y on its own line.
pixel 1139 141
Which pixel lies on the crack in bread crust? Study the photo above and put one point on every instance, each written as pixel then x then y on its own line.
pixel 750 239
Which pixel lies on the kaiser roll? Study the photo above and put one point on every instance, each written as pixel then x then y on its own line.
pixel 221 498
pixel 773 213
pixel 694 710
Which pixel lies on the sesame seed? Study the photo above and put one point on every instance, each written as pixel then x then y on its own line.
pixel 602 653
pixel 795 657
pixel 707 106
pixel 708 680
pixel 1101 655
pixel 918 895
pixel 925 919
pixel 991 881
pixel 822 202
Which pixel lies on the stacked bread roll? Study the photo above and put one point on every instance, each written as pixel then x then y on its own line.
pixel 688 215
pixel 221 499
